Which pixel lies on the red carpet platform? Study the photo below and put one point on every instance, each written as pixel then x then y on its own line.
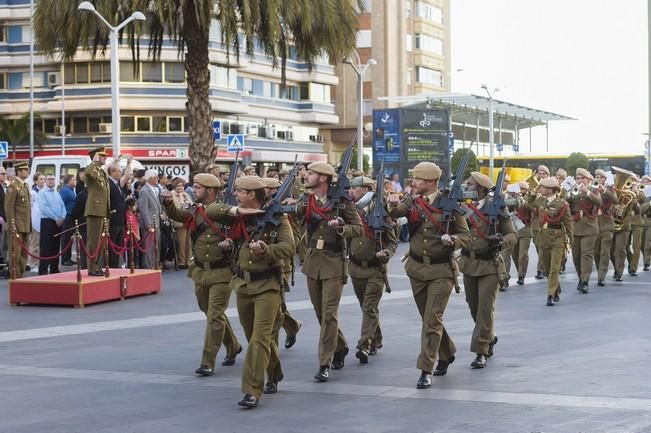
pixel 63 288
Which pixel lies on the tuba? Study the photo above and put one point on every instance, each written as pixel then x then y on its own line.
pixel 626 198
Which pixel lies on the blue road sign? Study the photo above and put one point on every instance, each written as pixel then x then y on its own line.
pixel 4 149
pixel 217 129
pixel 499 147
pixel 235 142
pixel 516 147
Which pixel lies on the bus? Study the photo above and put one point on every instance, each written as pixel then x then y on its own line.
pixel 519 167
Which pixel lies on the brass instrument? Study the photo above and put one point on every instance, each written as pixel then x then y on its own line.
pixel 626 198
pixel 533 182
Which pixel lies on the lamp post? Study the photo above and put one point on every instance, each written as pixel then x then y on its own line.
pixel 115 68
pixel 491 130
pixel 360 69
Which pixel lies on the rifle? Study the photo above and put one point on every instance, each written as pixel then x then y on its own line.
pixel 495 208
pixel 451 204
pixel 229 193
pixel 376 220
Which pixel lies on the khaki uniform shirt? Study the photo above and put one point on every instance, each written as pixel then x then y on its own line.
pixel 636 213
pixel 606 211
pixel 363 249
pixel 97 187
pixel 584 209
pixel 18 206
pixel 556 223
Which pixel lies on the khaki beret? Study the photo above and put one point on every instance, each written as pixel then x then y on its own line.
pixel 322 168
pixel 101 151
pixel 561 172
pixel 427 171
pixel 550 182
pixel 600 172
pixel 646 178
pixel 481 179
pixel 21 166
pixel 211 166
pixel 283 172
pixel 208 180
pixel 583 172
pixel 362 181
pixel 248 168
pixel 270 182
pixel 250 183
pixel 357 173
pixel 523 185
pixel 543 168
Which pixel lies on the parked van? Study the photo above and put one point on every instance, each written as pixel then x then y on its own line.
pixel 58 165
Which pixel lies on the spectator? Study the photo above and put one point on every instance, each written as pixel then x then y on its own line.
pixel 81 180
pixel 132 227
pixel 79 214
pixel 150 210
pixel 117 206
pixel 53 214
pixel 35 236
pixel 181 200
pixel 68 195
pixel 395 183
pixel 3 216
pixel 213 169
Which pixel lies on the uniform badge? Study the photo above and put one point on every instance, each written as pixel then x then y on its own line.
pixel 319 244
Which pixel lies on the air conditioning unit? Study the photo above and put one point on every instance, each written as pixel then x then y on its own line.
pixel 320 139
pixel 289 136
pixel 53 79
pixel 59 129
pixel 281 134
pixel 312 137
pixel 253 131
pixel 105 128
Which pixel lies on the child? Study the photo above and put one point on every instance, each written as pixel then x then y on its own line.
pixel 132 226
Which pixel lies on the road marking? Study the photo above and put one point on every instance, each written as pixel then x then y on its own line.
pixel 461 395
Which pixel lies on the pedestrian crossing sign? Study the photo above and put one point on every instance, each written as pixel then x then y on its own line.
pixel 4 149
pixel 235 142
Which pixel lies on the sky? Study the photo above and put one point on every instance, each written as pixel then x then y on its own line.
pixel 585 59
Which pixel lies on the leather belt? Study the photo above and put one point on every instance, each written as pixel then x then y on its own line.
pixel 555 226
pixel 373 263
pixel 217 264
pixel 330 246
pixel 486 255
pixel 257 276
pixel 426 260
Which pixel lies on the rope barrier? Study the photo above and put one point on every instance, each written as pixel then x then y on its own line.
pixel 25 249
pixel 150 240
pixel 82 244
pixel 119 249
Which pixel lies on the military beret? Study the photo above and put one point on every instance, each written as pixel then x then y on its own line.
pixel 561 172
pixel 600 172
pixel 283 172
pixel 543 168
pixel 357 173
pixel 212 166
pixel 21 166
pixel 523 185
pixel 322 168
pixel 362 181
pixel 270 182
pixel 101 151
pixel 550 182
pixel 250 183
pixel 427 171
pixel 249 168
pixel 583 172
pixel 208 180
pixel 481 179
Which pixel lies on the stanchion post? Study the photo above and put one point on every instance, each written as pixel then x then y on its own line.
pixel 156 252
pixel 77 236
pixel 132 264
pixel 14 245
pixel 107 245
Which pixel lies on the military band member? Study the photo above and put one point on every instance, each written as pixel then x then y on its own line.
pixel 325 261
pixel 646 215
pixel 605 221
pixel 367 268
pixel 97 207
pixel 257 282
pixel 561 175
pixel 210 271
pixel 555 231
pixel 481 268
pixel 428 266
pixel 507 250
pixel 524 213
pixel 18 211
pixel 584 202
pixel 634 248
pixel 541 173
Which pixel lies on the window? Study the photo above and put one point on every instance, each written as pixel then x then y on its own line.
pixel 304 92
pixel 82 73
pixel 429 12
pixel 79 125
pixel 245 85
pixel 143 124
pixel 48 125
pixel 69 73
pixel 174 73
pixel 159 124
pixel 93 124
pixel 408 43
pixel 367 107
pixel 152 72
pixel 67 169
pixel 223 77
pixel 429 44
pixel 320 93
pixel 429 76
pixel 45 169
pixel 127 72
pixel 364 39
pixel 26 34
pixel 3 80
pixel 38 80
pixel 128 124
pixel 3 34
pixel 257 87
pixel 96 72
pixel 174 124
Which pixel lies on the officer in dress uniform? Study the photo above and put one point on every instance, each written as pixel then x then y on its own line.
pixel 482 268
pixel 97 207
pixel 555 232
pixel 18 211
pixel 325 260
pixel 431 273
pixel 524 213
pixel 605 220
pixel 584 202
pixel 258 283
pixel 210 271
pixel 368 268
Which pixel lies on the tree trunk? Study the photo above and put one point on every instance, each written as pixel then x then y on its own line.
pixel 198 104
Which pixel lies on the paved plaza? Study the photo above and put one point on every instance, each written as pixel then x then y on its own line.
pixel 581 366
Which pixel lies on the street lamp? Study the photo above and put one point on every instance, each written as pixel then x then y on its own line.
pixel 115 68
pixel 360 70
pixel 491 130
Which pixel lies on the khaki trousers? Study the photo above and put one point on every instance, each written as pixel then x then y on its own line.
pixel 274 369
pixel 633 252
pixel 289 323
pixel 480 296
pixel 183 253
pixel 551 259
pixel 258 314
pixel 618 250
pixel 16 252
pixel 539 266
pixel 325 296
pixel 94 226
pixel 213 301
pixel 34 241
pixel 369 292
pixel 521 256
pixel 602 253
pixel 583 256
pixel 506 258
pixel 431 299
pixel 646 249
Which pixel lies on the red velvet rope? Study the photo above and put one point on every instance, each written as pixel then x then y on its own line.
pixel 82 244
pixel 26 250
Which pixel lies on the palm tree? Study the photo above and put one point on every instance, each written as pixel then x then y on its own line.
pixel 16 132
pixel 313 27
